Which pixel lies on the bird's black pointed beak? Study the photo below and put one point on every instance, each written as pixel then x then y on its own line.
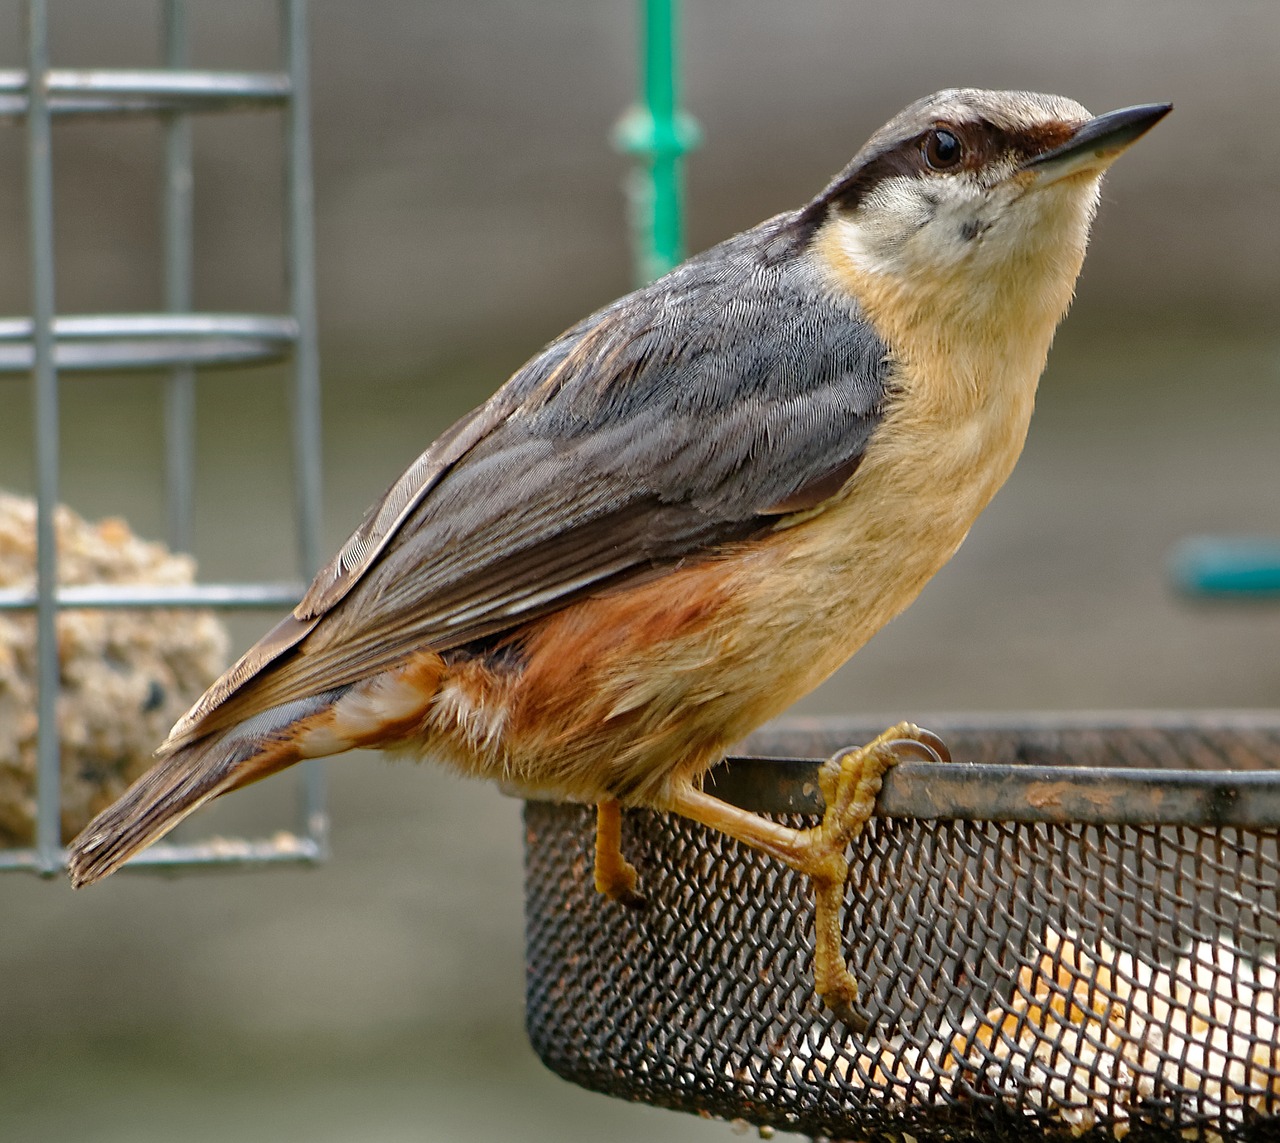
pixel 1097 144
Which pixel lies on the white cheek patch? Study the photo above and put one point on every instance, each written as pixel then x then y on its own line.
pixel 908 218
pixel 873 235
pixel 908 225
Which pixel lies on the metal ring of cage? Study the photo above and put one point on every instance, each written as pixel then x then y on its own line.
pixel 1071 929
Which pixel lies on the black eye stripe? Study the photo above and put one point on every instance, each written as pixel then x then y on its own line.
pixel 980 142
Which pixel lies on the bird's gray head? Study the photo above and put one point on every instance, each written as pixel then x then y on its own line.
pixel 964 183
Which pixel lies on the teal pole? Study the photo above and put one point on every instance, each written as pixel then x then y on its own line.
pixel 1241 567
pixel 659 134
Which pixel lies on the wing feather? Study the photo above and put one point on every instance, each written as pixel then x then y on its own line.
pixel 682 418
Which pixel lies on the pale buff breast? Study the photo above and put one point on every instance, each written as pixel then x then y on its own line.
pixel 630 692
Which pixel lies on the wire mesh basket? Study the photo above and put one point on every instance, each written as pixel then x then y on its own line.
pixel 1070 930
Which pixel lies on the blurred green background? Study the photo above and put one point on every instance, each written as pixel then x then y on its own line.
pixel 469 207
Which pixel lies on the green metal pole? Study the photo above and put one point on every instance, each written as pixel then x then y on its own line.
pixel 660 134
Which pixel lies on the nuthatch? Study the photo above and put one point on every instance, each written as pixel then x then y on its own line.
pixel 689 509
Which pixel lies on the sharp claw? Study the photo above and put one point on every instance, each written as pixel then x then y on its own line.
pixel 928 747
pixel 904 748
pixel 632 900
pixel 843 1011
pixel 942 752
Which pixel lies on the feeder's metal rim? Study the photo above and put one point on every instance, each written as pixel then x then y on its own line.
pixel 283 849
pixel 787 728
pixel 149 341
pixel 966 791
pixel 961 790
pixel 127 91
pixel 219 595
pixel 1015 793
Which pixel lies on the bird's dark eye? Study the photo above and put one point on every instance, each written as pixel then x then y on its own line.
pixel 942 149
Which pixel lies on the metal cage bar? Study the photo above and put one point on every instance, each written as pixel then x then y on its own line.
pixel 44 379
pixel 306 375
pixel 150 341
pixel 178 341
pixel 179 259
pixel 145 91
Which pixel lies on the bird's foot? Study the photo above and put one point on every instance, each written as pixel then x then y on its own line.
pixel 850 781
pixel 615 876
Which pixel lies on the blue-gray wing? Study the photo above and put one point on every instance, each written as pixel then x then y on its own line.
pixel 684 417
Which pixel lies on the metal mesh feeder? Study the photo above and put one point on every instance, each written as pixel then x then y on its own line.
pixel 1070 930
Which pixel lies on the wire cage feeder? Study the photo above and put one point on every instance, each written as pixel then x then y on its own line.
pixel 172 343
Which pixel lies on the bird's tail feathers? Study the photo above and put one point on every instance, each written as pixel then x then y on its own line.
pixel 184 780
